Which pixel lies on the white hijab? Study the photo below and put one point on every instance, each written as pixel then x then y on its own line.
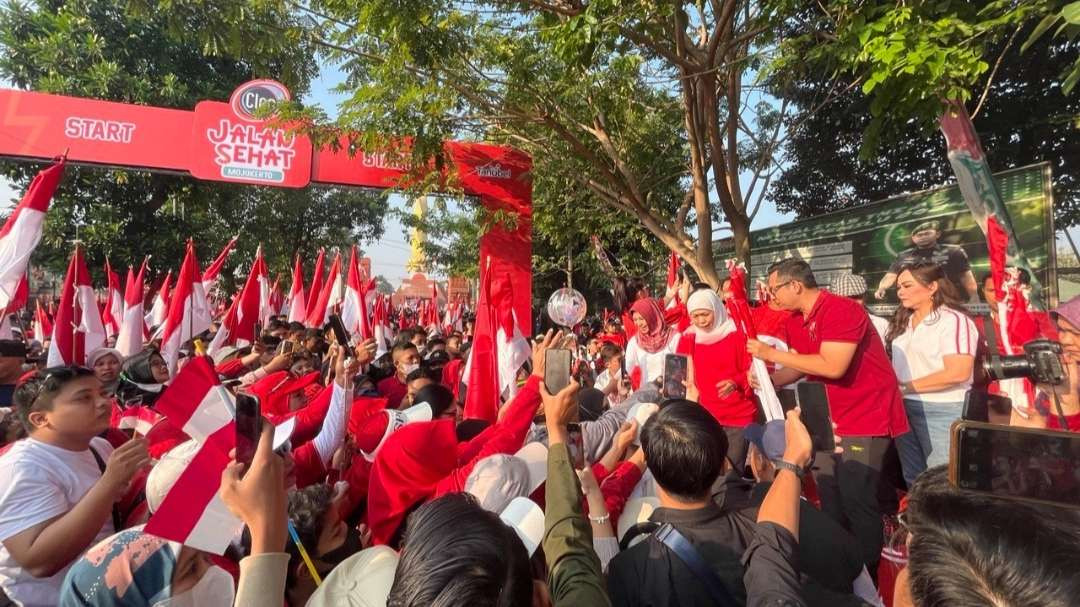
pixel 722 326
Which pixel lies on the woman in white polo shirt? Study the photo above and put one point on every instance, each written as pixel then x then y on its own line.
pixel 932 343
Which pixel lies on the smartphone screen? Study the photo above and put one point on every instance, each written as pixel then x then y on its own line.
pixel 556 370
pixel 338 327
pixel 814 404
pixel 247 427
pixel 575 442
pixel 787 399
pixel 1016 463
pixel 286 347
pixel 979 406
pixel 675 373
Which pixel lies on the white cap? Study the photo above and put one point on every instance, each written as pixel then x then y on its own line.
pixel 362 580
pixel 527 520
pixel 637 510
pixel 535 457
pixel 398 419
pixel 165 473
pixel 642 412
pixel 223 354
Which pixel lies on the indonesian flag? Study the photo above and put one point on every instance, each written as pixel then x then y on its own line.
pixel 320 313
pixel 513 348
pixel 354 310
pixel 381 320
pixel 189 312
pixel 266 306
pixel 192 512
pixel 672 269
pixel 78 328
pixel 277 298
pixel 160 309
pixel 139 418
pixel 432 321
pixel 739 308
pixel 42 323
pixel 210 276
pixel 1015 322
pixel 113 314
pixel 482 368
pixel 297 304
pixel 316 289
pixel 133 326
pixel 22 233
pixel 243 315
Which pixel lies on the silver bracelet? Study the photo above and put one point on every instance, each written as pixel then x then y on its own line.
pixel 600 520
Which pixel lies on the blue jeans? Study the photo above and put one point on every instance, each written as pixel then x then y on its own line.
pixel 927 444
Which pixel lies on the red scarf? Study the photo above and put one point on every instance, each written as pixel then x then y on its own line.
pixel 658 334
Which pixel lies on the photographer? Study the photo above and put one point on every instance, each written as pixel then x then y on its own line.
pixel 1067 318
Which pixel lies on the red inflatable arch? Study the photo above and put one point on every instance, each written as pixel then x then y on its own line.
pixel 226 142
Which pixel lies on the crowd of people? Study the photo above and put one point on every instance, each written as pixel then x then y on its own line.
pixel 386 494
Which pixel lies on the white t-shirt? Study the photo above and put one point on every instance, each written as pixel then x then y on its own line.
pixel 39 482
pixel 652 364
pixel 881 325
pixel 920 351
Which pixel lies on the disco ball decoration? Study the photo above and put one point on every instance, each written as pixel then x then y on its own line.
pixel 566 307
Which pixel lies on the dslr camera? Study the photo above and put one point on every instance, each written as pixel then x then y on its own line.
pixel 1041 362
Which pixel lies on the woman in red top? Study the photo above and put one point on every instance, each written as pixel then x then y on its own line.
pixel 720 363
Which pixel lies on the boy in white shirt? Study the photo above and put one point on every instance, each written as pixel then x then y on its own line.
pixel 58 487
pixel 610 380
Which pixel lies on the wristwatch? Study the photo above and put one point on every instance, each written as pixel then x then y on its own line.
pixel 782 465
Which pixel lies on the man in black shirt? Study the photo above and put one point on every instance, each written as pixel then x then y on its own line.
pixel 950 257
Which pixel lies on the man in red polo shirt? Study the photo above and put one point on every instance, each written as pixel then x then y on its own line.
pixel 832 341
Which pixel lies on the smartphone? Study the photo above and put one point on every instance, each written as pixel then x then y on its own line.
pixel 248 418
pixel 788 399
pixel 814 403
pixel 556 370
pixel 1010 462
pixel 979 406
pixel 338 327
pixel 675 373
pixel 575 443
pixel 286 347
pixel 258 330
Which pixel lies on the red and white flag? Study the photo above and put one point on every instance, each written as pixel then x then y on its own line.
pixel 210 276
pixel 513 348
pixel 356 308
pixel 266 306
pixel 238 326
pixel 381 322
pixel 159 310
pixel 22 233
pixel 277 298
pixel 133 326
pixel 297 303
pixel 77 329
pixel 192 513
pixel 1016 325
pixel 139 418
pixel 320 313
pixel 481 372
pixel 42 322
pixel 113 314
pixel 189 312
pixel 316 289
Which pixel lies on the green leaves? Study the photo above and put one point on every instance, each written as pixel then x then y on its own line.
pixel 1067 20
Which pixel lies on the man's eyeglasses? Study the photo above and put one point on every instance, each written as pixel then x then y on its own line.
pixel 772 290
pixel 51 379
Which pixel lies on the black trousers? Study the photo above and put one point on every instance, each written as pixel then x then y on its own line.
pixel 849 485
pixel 736 447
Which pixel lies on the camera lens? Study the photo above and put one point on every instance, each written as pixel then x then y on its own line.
pixel 1007 367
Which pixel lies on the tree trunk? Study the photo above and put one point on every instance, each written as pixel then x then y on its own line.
pixel 740 234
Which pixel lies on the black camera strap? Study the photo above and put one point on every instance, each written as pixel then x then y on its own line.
pixel 991 336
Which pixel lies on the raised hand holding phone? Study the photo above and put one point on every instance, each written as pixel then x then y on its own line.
pixel 256 493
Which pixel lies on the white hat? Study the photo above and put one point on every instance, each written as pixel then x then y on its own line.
pixel 395 420
pixel 642 412
pixel 535 457
pixel 637 510
pixel 362 580
pixel 497 480
pixel 527 520
pixel 97 353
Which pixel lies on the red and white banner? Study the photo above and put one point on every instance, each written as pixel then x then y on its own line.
pixel 189 312
pixel 77 328
pixel 21 234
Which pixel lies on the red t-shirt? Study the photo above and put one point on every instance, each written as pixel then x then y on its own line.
pixel 771 323
pixel 394 390
pixel 715 362
pixel 866 400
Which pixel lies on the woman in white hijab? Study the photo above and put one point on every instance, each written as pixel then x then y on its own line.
pixel 718 354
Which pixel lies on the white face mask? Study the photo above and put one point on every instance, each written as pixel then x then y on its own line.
pixel 409 368
pixel 214 589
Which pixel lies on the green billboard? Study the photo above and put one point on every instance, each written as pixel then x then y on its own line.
pixel 872 239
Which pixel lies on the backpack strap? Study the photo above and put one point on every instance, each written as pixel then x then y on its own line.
pixel 669 536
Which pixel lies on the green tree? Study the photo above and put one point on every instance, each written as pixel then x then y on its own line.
pixel 1020 112
pixel 100 49
pixel 657 105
